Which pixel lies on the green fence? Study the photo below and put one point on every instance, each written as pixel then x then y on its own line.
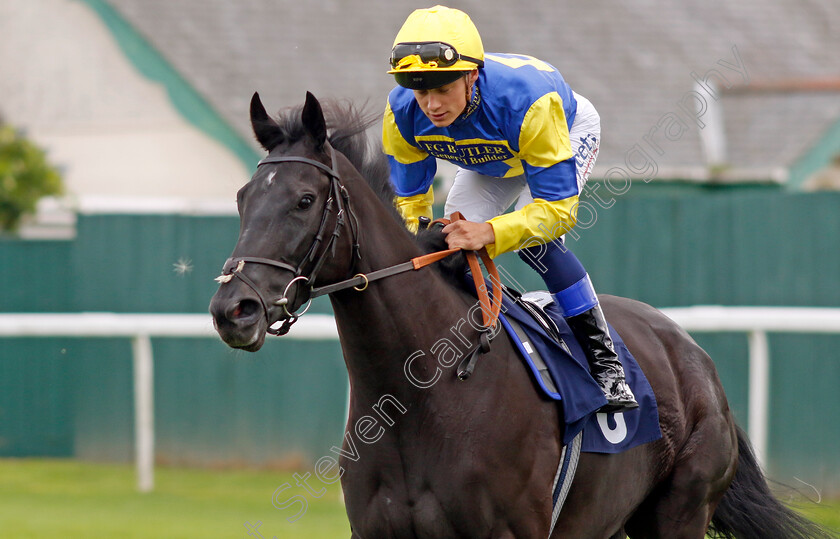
pixel 285 404
pixel 214 406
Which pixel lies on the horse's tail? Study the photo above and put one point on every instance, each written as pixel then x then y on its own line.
pixel 748 510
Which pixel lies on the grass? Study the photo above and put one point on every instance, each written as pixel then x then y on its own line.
pixel 71 499
pixel 826 513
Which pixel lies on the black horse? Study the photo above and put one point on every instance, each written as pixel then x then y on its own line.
pixel 444 458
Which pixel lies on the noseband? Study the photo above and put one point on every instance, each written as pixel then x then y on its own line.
pixel 339 200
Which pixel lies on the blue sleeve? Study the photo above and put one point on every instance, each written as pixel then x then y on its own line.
pixel 556 182
pixel 414 178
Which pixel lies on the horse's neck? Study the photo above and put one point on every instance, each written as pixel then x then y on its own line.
pixel 395 317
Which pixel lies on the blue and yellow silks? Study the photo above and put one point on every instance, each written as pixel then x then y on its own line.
pixel 517 122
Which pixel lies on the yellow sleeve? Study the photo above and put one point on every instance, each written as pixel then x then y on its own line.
pixel 413 207
pixel 544 137
pixel 538 222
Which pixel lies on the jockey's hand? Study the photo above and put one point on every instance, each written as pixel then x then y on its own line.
pixel 469 235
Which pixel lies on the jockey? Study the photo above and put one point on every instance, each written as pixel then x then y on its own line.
pixel 516 131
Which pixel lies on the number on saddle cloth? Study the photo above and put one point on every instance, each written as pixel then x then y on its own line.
pixel 559 366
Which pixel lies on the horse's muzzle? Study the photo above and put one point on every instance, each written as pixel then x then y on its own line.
pixel 239 320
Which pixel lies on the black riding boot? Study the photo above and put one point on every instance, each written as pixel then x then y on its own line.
pixel 590 328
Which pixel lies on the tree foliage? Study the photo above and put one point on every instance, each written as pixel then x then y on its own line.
pixel 25 177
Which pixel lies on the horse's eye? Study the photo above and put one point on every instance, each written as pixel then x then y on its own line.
pixel 305 202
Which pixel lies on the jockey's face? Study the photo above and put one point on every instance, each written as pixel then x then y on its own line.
pixel 443 105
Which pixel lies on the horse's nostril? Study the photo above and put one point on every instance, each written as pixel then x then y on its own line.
pixel 246 308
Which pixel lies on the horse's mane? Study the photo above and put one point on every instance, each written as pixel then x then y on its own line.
pixel 347 128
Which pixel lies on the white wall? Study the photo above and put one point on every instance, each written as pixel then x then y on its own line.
pixel 116 136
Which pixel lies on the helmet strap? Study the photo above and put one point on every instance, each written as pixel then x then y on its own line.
pixel 468 92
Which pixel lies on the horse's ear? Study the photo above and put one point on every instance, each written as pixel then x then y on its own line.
pixel 313 120
pixel 265 129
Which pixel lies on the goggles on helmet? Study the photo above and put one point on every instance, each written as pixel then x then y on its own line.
pixel 439 53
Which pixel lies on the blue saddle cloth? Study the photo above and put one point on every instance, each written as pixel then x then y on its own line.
pixel 578 391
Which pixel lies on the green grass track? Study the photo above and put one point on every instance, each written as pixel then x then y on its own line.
pixel 69 499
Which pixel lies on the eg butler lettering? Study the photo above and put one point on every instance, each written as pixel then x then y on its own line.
pixel 468 154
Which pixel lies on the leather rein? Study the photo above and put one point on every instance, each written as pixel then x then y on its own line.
pixel 339 201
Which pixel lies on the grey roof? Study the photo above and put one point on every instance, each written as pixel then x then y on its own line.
pixel 634 60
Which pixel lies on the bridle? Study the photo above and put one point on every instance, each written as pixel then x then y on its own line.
pixel 340 199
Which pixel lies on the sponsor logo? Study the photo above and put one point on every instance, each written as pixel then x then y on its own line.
pixel 467 153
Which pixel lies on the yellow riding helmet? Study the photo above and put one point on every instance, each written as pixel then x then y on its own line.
pixel 434 47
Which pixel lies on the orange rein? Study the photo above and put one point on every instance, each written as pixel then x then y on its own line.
pixel 490 308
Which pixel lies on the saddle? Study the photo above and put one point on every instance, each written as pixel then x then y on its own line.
pixel 558 365
pixel 534 303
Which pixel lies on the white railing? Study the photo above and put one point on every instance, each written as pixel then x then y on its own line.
pixel 140 328
pixel 757 322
